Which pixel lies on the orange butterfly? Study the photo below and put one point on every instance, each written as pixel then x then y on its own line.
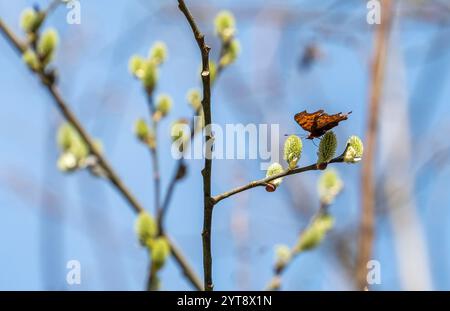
pixel 317 123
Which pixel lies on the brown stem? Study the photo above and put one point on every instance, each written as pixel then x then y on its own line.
pixel 110 173
pixel 263 182
pixel 206 172
pixel 367 179
pixel 181 164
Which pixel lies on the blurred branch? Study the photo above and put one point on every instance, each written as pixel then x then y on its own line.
pixel 281 266
pixel 153 281
pixel 111 175
pixel 367 178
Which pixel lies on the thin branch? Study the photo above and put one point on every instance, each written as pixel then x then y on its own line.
pixel 110 173
pixel 263 182
pixel 180 169
pixel 206 172
pixel 52 6
pixel 367 179
pixel 153 281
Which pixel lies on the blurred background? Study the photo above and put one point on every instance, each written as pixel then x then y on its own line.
pixel 295 55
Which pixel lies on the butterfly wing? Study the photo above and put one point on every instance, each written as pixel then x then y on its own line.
pixel 308 121
pixel 327 122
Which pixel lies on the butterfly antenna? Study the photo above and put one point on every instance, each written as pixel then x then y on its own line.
pixel 300 135
pixel 314 141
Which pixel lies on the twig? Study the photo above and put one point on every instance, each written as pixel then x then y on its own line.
pixel 180 169
pixel 263 182
pixel 52 6
pixel 206 172
pixel 153 281
pixel 110 173
pixel 367 179
pixel 154 152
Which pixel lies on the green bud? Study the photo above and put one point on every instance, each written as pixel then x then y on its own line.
pixel 194 99
pixel 65 136
pixel 75 150
pixel 329 186
pixel 79 148
pixel 274 169
pixel 282 255
pixel 144 133
pixel 180 133
pixel 31 20
pixel 314 234
pixel 67 162
pixel 47 45
pixel 230 54
pixel 225 25
pixel 158 52
pixel 145 227
pixel 327 148
pixel 141 129
pixel 136 66
pixel 164 104
pixel 355 149
pixel 31 60
pixel 292 150
pixel 160 252
pixel 150 76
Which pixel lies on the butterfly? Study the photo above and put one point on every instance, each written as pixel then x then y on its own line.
pixel 317 123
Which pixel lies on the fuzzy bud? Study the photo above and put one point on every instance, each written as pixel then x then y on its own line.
pixel 329 186
pixel 47 45
pixel 144 133
pixel 145 227
pixel 355 149
pixel 282 255
pixel 180 133
pixel 163 105
pixel 327 149
pixel 150 75
pixel 65 136
pixel 158 52
pixel 31 60
pixel 31 20
pixel 67 162
pixel 225 25
pixel 274 169
pixel 293 150
pixel 194 99
pixel 160 252
pixel 136 66
pixel 230 54
pixel 314 234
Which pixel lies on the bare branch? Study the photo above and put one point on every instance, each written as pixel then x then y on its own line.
pixel 206 172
